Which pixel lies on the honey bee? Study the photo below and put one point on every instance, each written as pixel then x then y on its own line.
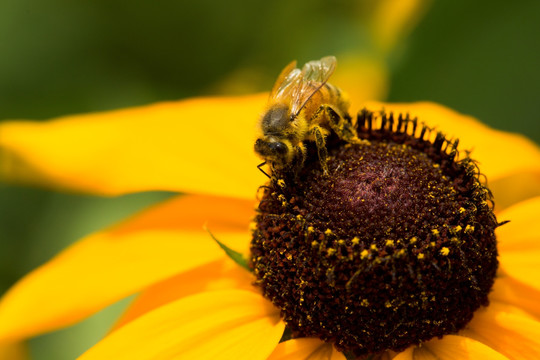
pixel 303 106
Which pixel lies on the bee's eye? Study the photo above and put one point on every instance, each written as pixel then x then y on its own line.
pixel 278 147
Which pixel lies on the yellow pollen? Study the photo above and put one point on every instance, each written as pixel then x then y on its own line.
pixel 328 232
pixel 373 247
pixel 331 251
pixel 341 242
pixel 413 240
pixel 462 210
pixel 469 229
pixel 364 302
pixel 281 183
pixel 314 243
pixel 389 242
pixel 420 256
pixel 458 228
pixel 435 232
pixel 355 240
pixel 364 254
pixel 289 257
pixel 310 229
pixel 445 251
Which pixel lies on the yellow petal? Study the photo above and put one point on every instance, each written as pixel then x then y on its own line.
pixel 202 145
pixel 514 188
pixel 13 351
pixel 452 347
pixel 503 329
pixel 500 154
pixel 519 242
pixel 305 348
pixel 523 225
pixel 231 324
pixel 524 265
pixel 361 77
pixel 510 291
pixel 109 265
pixel 392 20
pixel 221 274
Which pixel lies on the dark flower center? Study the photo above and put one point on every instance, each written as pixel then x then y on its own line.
pixel 395 246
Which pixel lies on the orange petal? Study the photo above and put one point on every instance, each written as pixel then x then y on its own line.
pixel 202 145
pixel 13 351
pixel 499 153
pixel 519 242
pixel 405 355
pixel 109 265
pixel 305 348
pixel 503 329
pixel 230 324
pixel 510 291
pixel 221 274
pixel 452 347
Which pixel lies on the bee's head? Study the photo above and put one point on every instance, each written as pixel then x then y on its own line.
pixel 275 150
pixel 276 120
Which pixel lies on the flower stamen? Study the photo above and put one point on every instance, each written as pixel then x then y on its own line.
pixel 396 246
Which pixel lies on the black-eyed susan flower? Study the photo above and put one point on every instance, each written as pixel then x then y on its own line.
pixel 391 255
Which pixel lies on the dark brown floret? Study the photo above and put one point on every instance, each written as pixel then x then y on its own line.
pixel 396 246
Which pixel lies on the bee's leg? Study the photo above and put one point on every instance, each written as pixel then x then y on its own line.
pixel 318 134
pixel 342 125
pixel 300 154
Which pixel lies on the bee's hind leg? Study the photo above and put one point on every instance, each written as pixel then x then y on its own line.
pixel 341 125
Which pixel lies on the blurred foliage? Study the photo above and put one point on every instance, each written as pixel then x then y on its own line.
pixel 477 57
pixel 61 57
pixel 67 57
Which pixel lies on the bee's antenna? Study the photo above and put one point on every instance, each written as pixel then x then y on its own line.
pixel 260 168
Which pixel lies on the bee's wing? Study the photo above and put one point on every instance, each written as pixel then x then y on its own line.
pixel 288 80
pixel 313 76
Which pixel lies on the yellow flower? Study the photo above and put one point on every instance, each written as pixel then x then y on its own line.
pixel 193 301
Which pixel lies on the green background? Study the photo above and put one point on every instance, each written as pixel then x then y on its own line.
pixel 61 57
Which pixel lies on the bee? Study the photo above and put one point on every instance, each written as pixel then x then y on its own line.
pixel 302 107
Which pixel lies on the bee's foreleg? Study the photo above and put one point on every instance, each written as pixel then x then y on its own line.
pixel 318 134
pixel 300 154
